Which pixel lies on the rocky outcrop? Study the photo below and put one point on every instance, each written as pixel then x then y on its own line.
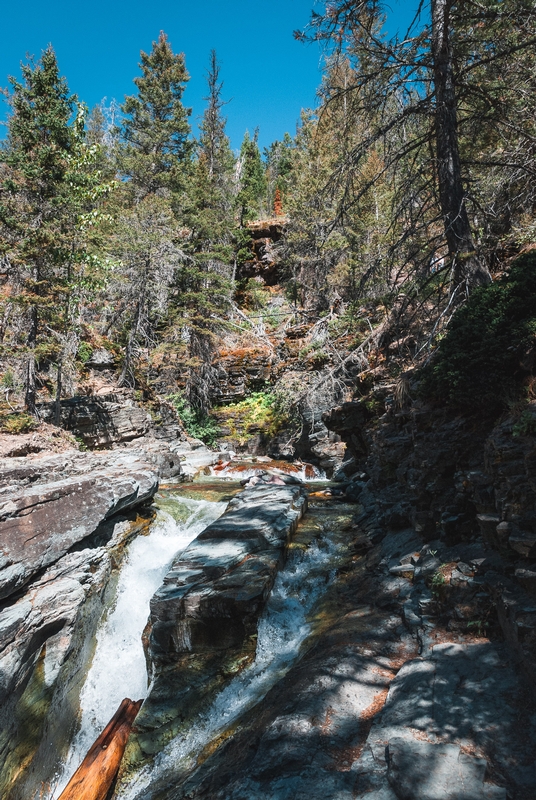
pixel 46 641
pixel 242 370
pixel 203 620
pixel 100 421
pixel 263 262
pixel 48 505
pixel 456 480
pixel 64 519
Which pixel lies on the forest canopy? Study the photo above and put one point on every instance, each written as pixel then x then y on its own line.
pixel 408 186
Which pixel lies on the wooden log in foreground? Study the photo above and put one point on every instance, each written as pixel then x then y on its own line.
pixel 95 775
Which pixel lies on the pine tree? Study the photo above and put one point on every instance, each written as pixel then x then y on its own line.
pixel 278 159
pixel 155 127
pixel 211 188
pixel 50 190
pixel 204 283
pixel 252 180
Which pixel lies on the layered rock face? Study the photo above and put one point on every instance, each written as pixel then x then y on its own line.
pixel 48 505
pixel 457 480
pixel 100 421
pixel 203 620
pixel 64 520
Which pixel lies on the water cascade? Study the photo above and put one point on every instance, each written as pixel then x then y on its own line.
pixel 118 668
pixel 283 628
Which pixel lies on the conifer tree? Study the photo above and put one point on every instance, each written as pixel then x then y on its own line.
pixel 211 188
pixel 49 185
pixel 252 180
pixel 204 284
pixel 155 126
pixel 278 159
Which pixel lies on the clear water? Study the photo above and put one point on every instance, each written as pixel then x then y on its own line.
pixel 282 630
pixel 118 669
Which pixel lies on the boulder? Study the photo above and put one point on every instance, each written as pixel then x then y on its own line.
pixel 203 620
pixel 47 505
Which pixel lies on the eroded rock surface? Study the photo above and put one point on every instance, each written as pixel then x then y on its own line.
pixel 204 618
pixel 46 640
pixel 390 702
pixel 48 505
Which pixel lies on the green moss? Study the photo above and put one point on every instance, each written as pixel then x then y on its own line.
pixel 258 412
pixel 479 361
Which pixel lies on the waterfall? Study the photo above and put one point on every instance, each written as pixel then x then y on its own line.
pixel 118 668
pixel 283 628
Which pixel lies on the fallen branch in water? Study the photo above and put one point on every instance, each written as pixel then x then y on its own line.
pixel 95 775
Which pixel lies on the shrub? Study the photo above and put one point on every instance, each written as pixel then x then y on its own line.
pixel 84 352
pixel 197 424
pixel 17 423
pixel 478 362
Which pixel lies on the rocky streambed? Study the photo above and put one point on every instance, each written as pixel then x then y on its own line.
pixel 327 657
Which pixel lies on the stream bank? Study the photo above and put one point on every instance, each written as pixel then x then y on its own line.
pixel 383 701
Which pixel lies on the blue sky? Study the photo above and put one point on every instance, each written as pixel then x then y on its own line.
pixel 268 76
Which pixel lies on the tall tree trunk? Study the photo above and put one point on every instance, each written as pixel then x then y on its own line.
pixel 57 406
pixel 30 382
pixel 467 267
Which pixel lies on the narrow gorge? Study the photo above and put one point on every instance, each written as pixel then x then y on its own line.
pixel 268 405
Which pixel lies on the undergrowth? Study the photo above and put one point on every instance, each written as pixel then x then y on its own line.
pixel 197 424
pixel 485 355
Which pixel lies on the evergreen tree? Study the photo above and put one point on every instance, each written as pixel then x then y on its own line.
pixel 155 126
pixel 278 158
pixel 252 180
pixel 204 283
pixel 211 188
pixel 50 189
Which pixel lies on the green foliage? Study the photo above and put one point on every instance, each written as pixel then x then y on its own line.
pixel 252 180
pixel 17 423
pixel 84 352
pixel 260 411
pixel 438 583
pixel 525 425
pixel 197 423
pixel 156 126
pixel 479 361
pixel 7 381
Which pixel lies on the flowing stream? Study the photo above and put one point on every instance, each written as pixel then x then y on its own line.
pixel 283 628
pixel 118 668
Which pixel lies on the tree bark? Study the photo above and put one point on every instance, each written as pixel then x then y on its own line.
pixel 467 267
pixel 30 383
pixel 95 776
pixel 57 407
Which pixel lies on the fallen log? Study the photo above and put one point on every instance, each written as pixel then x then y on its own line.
pixel 95 775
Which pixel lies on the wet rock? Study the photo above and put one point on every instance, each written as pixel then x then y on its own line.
pixel 204 618
pixel 46 640
pixel 47 505
pixel 194 456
